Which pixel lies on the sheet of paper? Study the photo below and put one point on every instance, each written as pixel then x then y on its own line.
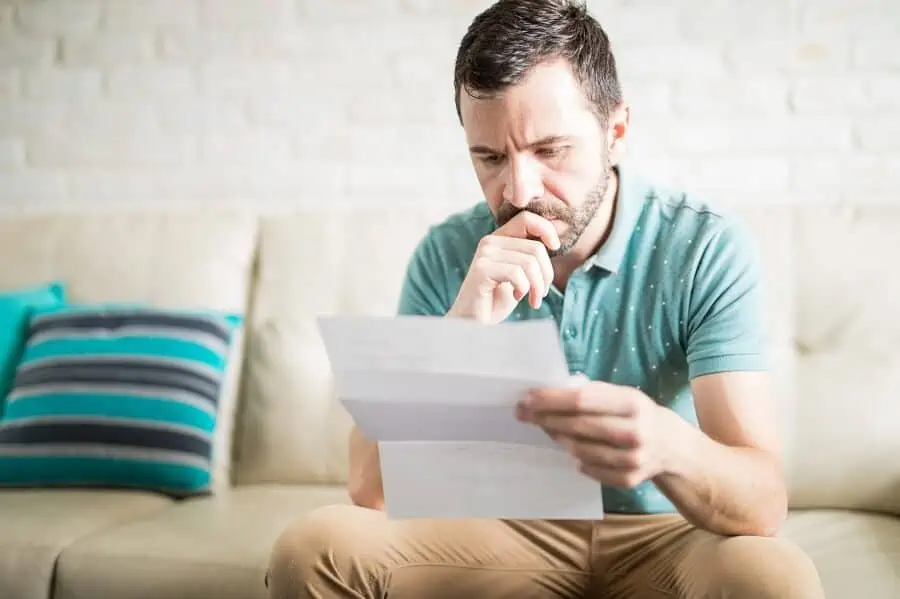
pixel 437 379
pixel 371 355
pixel 485 480
pixel 439 396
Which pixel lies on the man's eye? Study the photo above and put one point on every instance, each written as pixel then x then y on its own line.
pixel 550 152
pixel 492 159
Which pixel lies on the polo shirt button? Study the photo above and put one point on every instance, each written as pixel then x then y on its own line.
pixel 569 333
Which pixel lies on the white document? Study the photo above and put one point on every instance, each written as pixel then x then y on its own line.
pixel 439 396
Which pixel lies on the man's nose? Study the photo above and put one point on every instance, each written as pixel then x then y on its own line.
pixel 523 183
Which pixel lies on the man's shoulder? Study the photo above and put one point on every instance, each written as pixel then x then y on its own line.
pixel 691 220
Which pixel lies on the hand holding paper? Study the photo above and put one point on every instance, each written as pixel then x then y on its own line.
pixel 616 433
pixel 440 396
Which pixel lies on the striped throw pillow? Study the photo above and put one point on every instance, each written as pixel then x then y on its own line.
pixel 117 397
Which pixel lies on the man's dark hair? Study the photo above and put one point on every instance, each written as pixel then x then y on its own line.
pixel 510 37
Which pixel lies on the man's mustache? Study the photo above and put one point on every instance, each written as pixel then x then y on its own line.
pixel 547 210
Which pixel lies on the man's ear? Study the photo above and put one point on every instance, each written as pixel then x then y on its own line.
pixel 617 131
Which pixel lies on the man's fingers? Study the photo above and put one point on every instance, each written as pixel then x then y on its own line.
pixel 537 276
pixel 615 431
pixel 527 225
pixel 494 245
pixel 503 272
pixel 595 398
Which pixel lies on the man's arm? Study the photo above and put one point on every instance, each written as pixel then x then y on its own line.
pixel 364 482
pixel 419 295
pixel 727 476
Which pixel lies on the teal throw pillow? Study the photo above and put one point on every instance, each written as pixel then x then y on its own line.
pixel 110 396
pixel 15 310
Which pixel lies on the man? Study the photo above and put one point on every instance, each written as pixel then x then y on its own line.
pixel 658 301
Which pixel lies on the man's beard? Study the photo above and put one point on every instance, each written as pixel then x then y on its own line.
pixel 577 219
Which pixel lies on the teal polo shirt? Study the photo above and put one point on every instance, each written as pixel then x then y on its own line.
pixel 674 293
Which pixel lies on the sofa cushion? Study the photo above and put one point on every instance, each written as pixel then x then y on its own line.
pixel 37 525
pixel 180 259
pixel 205 547
pixel 313 263
pixel 857 553
pixel 848 371
pixel 16 306
pixel 117 396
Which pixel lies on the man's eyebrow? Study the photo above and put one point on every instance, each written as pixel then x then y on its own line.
pixel 544 141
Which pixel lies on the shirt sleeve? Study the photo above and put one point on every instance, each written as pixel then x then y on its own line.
pixel 726 328
pixel 424 288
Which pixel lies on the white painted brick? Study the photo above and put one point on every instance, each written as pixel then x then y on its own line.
pixel 665 60
pixel 397 37
pixel 18 51
pixel 150 14
pixel 849 18
pixel 246 13
pixel 805 55
pixel 731 20
pixel 829 94
pixel 254 183
pixel 400 180
pixel 110 150
pixel 313 111
pixel 109 117
pixel 884 93
pixel 720 176
pixel 730 96
pixel 150 81
pixel 639 23
pixel 284 102
pixel 461 8
pixel 196 115
pixel 107 49
pixel 648 97
pixel 227 44
pixel 28 117
pixel 54 83
pixel 58 16
pixel 879 134
pixel 381 106
pixel 226 78
pixel 92 186
pixel 347 9
pixel 876 54
pixel 386 144
pixel 857 174
pixel 12 153
pixel 412 73
pixel 752 134
pixel 259 147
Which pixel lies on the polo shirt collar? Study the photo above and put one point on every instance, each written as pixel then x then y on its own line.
pixel 629 206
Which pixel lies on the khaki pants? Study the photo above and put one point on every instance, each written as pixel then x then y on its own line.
pixel 346 551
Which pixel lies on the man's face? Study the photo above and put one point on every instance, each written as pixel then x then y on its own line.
pixel 539 147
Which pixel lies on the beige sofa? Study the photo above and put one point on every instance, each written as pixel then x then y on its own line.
pixel 835 298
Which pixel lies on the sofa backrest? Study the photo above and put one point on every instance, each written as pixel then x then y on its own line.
pixel 833 299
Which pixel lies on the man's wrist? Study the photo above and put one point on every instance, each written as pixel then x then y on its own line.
pixel 682 443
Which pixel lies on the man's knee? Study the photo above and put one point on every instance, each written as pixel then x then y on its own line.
pixel 326 539
pixel 760 567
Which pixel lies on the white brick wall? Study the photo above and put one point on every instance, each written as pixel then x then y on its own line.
pixel 122 103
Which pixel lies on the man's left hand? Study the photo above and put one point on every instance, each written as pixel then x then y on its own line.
pixel 619 435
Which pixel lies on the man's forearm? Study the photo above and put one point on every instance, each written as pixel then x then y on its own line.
pixel 364 481
pixel 727 490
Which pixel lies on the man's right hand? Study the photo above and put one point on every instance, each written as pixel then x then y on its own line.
pixel 509 264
